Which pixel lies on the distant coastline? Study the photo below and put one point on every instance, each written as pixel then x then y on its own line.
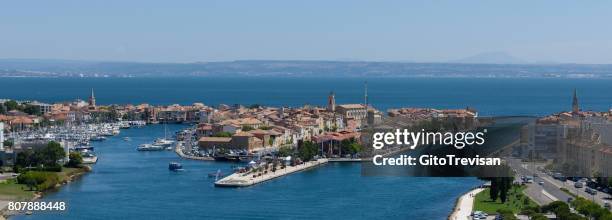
pixel 293 68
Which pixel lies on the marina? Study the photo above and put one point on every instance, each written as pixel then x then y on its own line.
pixel 303 193
pixel 122 171
pixel 73 138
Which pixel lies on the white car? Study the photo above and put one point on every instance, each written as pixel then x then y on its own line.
pixel 479 215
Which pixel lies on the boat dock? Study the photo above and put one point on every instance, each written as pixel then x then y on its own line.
pixel 248 179
pixel 178 150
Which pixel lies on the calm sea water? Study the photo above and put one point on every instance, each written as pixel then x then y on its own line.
pixel 489 96
pixel 126 184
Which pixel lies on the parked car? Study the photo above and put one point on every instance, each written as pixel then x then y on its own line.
pixel 590 191
pixel 479 215
pixel 578 184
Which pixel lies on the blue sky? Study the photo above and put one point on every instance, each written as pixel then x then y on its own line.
pixel 421 31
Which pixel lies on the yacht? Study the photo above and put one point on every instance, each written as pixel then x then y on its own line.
pixel 149 147
pixel 163 142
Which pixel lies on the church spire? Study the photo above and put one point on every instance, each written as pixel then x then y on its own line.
pixel 331 102
pixel 575 107
pixel 92 99
pixel 366 94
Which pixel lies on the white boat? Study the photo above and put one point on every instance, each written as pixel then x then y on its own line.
pixel 149 147
pixel 124 125
pixel 89 158
pixel 163 142
pixel 97 138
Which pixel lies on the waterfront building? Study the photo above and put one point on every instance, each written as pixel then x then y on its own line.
pixel 239 141
pixel 543 139
pixel 330 143
pixel 428 113
pixel 204 130
pixel 354 111
pixel 173 114
pixel 43 107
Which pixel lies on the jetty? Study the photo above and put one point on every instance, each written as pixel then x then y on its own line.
pixel 250 178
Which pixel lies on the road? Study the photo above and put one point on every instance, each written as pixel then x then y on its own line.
pixel 542 194
pixel 552 186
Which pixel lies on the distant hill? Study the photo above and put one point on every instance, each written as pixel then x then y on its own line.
pixel 293 68
pixel 491 58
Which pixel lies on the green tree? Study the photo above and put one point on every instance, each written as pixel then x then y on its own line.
pixel 247 128
pixel 41 180
pixel 307 151
pixel 32 110
pixel 506 214
pixel 503 189
pixel 223 134
pixel 285 151
pixel 52 153
pixel 8 143
pixel 538 216
pixel 26 158
pixel 11 105
pixel 494 189
pixel 75 160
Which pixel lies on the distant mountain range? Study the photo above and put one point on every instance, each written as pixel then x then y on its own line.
pixel 291 68
pixel 491 58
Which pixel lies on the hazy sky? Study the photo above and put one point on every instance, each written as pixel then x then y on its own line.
pixel 198 30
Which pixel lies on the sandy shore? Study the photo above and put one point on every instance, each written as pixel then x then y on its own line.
pixel 464 206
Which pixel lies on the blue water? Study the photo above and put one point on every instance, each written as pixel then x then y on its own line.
pixel 126 184
pixel 489 96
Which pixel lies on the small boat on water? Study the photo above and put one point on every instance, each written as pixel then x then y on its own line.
pixel 126 139
pixel 174 166
pixel 97 138
pixel 149 147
